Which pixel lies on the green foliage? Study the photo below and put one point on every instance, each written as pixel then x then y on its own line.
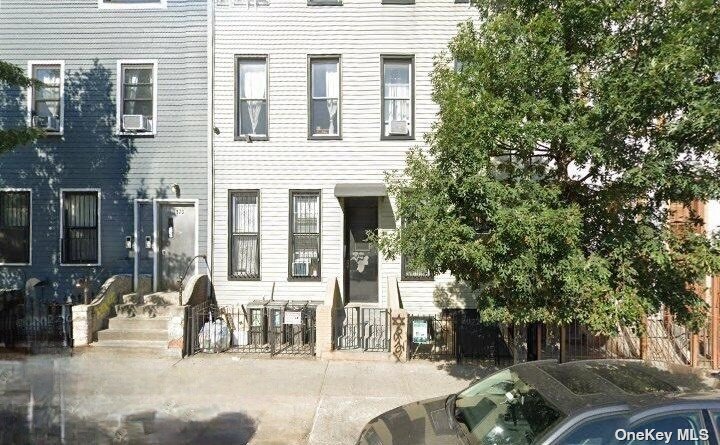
pixel 12 75
pixel 560 142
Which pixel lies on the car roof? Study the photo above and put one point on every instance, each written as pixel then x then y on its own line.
pixel 588 384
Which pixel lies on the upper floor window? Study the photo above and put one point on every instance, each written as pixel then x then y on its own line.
pixel 245 235
pixel 131 4
pixel 410 273
pixel 397 97
pixel 305 234
pixel 46 100
pixel 15 219
pixel 252 108
pixel 137 97
pixel 80 219
pixel 324 97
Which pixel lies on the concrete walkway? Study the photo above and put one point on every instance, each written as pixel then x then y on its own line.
pixel 97 397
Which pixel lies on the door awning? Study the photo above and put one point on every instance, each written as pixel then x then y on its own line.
pixel 356 189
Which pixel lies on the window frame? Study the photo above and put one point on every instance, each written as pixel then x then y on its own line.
pixel 159 4
pixel 291 210
pixel 323 57
pixel 31 93
pixel 120 96
pixel 231 232
pixel 61 224
pixel 404 276
pixel 30 224
pixel 410 58
pixel 238 136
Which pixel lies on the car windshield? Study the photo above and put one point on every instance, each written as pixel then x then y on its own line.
pixel 503 409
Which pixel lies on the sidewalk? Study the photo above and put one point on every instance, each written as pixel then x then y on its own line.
pixel 223 398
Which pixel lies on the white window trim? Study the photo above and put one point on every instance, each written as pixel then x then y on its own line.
pixel 29 263
pixel 162 4
pixel 119 96
pixel 30 93
pixel 62 224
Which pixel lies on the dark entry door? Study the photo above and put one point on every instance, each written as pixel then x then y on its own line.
pixel 361 256
pixel 177 242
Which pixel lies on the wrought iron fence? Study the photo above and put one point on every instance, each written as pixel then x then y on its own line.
pixel 49 328
pixel 273 328
pixel 458 335
pixel 582 344
pixel 362 328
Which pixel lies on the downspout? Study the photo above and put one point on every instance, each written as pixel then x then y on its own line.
pixel 210 129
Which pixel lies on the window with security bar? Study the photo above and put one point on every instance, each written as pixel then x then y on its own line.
pixel 15 227
pixel 305 235
pixel 244 235
pixel 138 98
pixel 46 105
pixel 80 238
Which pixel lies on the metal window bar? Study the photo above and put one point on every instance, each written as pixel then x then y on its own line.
pixel 15 227
pixel 80 223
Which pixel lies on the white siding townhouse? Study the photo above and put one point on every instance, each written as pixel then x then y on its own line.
pixel 314 101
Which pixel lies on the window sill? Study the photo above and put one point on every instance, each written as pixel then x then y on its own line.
pixel 80 264
pixel 149 134
pixel 397 138
pixel 413 279
pixel 232 278
pixel 15 264
pixel 309 279
pixel 320 137
pixel 244 138
pixel 324 3
pixel 53 134
pixel 398 2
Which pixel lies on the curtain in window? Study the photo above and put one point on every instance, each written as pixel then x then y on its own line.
pixel 332 84
pixel 253 83
pixel 80 222
pixel 306 213
pixel 47 96
pixel 245 258
pixel 14 227
pixel 397 93
pixel 138 90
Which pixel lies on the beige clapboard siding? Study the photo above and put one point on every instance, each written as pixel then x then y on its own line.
pixel 287 32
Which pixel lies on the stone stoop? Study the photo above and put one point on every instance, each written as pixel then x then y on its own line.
pixel 140 324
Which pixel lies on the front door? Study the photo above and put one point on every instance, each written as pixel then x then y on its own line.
pixel 361 256
pixel 177 242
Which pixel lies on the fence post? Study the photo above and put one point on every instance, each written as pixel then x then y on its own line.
pixel 694 350
pixel 563 344
pixel 538 340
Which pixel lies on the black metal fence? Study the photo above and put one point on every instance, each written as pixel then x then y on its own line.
pixel 273 327
pixel 457 335
pixel 362 328
pixel 49 328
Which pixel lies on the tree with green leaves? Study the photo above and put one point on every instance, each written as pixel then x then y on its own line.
pixel 566 128
pixel 13 76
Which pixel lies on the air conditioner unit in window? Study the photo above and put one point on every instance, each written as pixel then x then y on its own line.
pixel 399 128
pixel 301 268
pixel 135 122
pixel 47 123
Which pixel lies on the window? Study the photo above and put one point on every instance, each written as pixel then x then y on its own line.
pixel 137 97
pixel 410 273
pixel 79 241
pixel 46 100
pixel 305 234
pixel 15 221
pixel 252 111
pixel 397 97
pixel 597 431
pixel 244 235
pixel 131 4
pixel 324 97
pixel 685 427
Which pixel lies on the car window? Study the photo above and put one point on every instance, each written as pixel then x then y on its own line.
pixel 597 431
pixel 505 409
pixel 676 428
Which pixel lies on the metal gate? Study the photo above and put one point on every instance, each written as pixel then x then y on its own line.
pixel 362 328
pixel 458 335
pixel 274 328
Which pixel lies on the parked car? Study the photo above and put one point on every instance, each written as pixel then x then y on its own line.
pixel 593 402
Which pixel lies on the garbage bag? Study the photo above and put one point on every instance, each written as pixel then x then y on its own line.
pixel 214 336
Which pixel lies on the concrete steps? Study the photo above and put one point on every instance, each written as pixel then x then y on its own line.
pixel 133 334
pixel 137 323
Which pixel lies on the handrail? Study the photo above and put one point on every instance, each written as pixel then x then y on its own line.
pixel 187 269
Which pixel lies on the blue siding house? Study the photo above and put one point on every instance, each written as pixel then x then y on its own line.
pixel 119 183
